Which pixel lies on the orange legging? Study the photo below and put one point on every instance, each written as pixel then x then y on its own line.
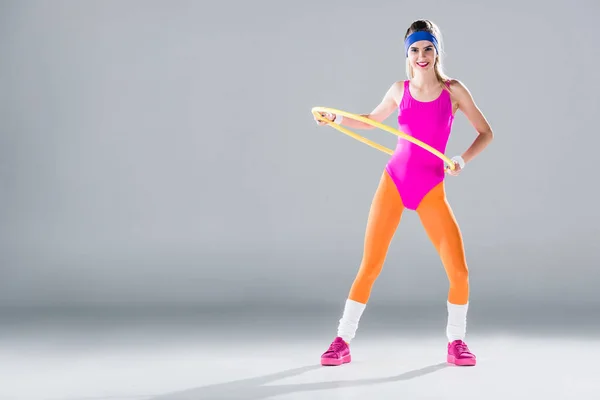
pixel 439 223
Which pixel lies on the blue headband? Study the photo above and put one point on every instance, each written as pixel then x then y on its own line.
pixel 420 35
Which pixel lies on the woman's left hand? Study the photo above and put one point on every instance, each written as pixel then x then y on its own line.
pixel 459 163
pixel 456 170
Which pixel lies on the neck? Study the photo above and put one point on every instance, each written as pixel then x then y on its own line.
pixel 425 79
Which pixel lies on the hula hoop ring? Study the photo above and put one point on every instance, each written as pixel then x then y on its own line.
pixel 317 110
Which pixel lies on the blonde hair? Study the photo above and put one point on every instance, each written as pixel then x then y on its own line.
pixel 430 27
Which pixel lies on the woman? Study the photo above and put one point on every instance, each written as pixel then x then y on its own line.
pixel 414 179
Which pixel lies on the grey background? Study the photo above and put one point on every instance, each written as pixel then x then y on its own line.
pixel 164 153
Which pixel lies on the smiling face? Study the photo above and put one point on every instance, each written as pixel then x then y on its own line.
pixel 421 55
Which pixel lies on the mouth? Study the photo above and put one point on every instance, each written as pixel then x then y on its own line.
pixel 422 64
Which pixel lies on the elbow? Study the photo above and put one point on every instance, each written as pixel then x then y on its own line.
pixel 488 134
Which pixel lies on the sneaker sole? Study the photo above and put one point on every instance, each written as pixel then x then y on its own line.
pixel 335 361
pixel 463 362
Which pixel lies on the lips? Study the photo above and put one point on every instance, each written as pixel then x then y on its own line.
pixel 422 64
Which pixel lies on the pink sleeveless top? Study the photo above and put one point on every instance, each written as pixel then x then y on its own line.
pixel 414 170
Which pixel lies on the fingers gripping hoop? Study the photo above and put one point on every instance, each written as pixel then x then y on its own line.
pixel 317 110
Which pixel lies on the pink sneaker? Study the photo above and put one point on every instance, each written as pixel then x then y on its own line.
pixel 459 354
pixel 337 354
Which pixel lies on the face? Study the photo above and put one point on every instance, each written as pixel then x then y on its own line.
pixel 422 55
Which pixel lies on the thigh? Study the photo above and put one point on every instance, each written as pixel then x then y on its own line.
pixel 384 215
pixel 439 222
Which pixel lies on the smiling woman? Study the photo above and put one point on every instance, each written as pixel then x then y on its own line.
pixel 414 179
pixel 424 49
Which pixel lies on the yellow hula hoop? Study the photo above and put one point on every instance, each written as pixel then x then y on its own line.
pixel 317 110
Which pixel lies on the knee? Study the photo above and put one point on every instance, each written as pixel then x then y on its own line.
pixel 459 276
pixel 369 272
pixel 369 276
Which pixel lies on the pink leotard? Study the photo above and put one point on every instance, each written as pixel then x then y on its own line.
pixel 414 170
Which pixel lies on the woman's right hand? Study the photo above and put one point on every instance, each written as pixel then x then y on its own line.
pixel 328 116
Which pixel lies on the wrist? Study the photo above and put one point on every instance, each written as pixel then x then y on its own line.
pixel 459 160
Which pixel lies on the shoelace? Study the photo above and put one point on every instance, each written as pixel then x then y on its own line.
pixel 461 348
pixel 336 347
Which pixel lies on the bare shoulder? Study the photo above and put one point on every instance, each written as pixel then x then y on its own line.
pixel 458 88
pixel 461 96
pixel 397 91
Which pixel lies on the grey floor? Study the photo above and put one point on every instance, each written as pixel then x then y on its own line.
pixel 176 355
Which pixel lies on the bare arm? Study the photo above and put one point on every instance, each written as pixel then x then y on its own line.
pixel 484 131
pixel 388 104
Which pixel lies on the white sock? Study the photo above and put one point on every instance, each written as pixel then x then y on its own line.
pixel 457 321
pixel 349 322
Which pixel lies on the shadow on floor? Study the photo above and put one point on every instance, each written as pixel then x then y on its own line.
pixel 252 389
